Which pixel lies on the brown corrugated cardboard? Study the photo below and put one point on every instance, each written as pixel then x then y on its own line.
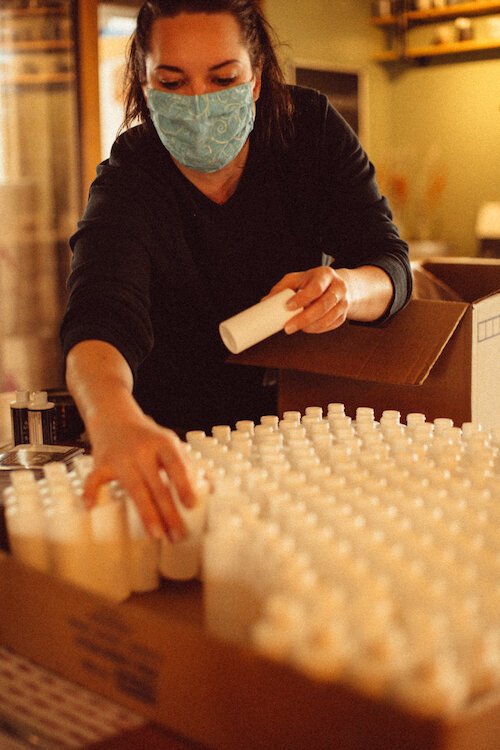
pixel 153 655
pixel 436 356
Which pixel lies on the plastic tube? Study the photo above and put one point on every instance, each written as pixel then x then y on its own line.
pixel 258 322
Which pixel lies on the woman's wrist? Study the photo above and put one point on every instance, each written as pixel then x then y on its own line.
pixel 369 292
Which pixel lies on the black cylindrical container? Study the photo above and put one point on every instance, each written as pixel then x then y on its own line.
pixel 19 418
pixel 68 421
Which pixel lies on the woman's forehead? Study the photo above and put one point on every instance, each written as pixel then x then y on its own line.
pixel 197 36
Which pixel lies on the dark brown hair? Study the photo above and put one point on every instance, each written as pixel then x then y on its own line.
pixel 273 124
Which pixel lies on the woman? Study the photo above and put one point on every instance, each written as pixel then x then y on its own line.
pixel 231 188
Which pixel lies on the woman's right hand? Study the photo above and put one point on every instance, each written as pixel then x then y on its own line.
pixel 151 463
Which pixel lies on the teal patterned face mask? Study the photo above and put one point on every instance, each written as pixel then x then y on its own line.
pixel 205 131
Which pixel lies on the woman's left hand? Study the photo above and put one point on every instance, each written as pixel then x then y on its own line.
pixel 322 293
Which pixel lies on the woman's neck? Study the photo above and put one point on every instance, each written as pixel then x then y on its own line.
pixel 221 185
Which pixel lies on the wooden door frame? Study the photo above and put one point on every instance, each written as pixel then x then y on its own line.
pixel 87 60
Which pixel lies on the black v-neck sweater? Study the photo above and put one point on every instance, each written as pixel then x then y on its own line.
pixel 157 265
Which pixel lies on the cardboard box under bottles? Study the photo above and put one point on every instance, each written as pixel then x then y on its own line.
pixel 440 355
pixel 154 655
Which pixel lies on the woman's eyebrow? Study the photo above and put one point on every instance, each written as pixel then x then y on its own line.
pixel 172 68
pixel 175 69
pixel 222 64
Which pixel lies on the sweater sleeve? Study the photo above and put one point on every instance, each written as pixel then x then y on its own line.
pixel 110 273
pixel 356 221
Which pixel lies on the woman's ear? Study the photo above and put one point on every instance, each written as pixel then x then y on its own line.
pixel 257 83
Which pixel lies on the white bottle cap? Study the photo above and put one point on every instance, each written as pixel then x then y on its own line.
pixel 336 408
pixel 314 411
pixel 22 398
pixel 39 399
pixel 292 416
pixel 270 419
pixel 222 433
pixel 245 425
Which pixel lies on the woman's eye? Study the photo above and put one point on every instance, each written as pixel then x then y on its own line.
pixel 225 81
pixel 170 85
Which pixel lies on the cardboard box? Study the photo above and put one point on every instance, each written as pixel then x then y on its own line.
pixel 439 355
pixel 153 655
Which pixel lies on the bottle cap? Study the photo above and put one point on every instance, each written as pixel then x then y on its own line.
pixel 38 399
pixel 22 397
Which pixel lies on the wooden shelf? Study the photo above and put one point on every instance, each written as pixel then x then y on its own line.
pixel 452 48
pixel 37 79
pixel 37 45
pixel 479 8
pixel 384 20
pixel 438 50
pixel 403 22
pixel 417 17
pixel 387 56
pixel 23 12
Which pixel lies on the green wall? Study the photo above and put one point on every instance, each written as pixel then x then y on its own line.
pixel 427 126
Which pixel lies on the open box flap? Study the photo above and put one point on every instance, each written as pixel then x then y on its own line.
pixel 401 351
pixel 472 279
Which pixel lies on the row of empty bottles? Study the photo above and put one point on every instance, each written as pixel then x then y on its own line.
pixel 355 550
pixel 104 549
pixel 359 551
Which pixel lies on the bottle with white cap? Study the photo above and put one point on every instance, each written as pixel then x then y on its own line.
pixel 42 419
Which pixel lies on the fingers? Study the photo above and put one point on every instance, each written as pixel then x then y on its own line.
pixel 311 286
pixel 142 475
pixel 332 319
pixel 323 295
pixel 289 281
pixel 174 461
pixel 94 481
pixel 152 498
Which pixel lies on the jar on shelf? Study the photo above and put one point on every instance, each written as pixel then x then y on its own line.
pixel 444 34
pixel 464 29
